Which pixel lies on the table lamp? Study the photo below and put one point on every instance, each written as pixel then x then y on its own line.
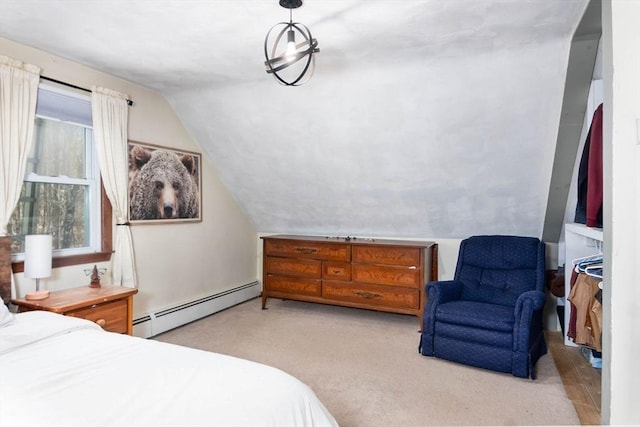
pixel 37 262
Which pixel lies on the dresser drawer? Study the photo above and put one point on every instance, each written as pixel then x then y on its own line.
pixel 336 270
pixel 294 266
pixel 313 250
pixel 112 316
pixel 293 285
pixel 372 295
pixel 387 275
pixel 390 255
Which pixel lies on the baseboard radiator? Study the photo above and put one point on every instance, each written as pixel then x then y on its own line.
pixel 164 320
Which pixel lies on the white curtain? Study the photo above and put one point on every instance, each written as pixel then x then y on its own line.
pixel 18 95
pixel 110 119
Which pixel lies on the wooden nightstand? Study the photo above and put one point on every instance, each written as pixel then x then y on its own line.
pixel 109 306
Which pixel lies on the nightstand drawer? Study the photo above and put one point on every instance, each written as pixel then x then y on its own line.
pixel 112 316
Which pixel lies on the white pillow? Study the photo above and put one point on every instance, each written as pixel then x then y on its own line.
pixel 6 316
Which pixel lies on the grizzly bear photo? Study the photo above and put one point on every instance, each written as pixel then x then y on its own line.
pixel 162 184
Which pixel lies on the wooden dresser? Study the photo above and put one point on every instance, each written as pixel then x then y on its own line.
pixel 384 275
pixel 111 307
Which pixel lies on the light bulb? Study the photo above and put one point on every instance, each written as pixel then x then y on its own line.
pixel 291 44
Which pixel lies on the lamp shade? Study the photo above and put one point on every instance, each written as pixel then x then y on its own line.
pixel 37 256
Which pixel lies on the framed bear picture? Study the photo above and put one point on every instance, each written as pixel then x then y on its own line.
pixel 164 184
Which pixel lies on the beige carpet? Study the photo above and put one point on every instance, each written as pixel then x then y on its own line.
pixel 365 367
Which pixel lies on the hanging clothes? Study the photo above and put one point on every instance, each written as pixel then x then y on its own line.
pixel 571 329
pixel 590 178
pixel 588 310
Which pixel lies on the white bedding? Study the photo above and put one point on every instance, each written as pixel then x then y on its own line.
pixel 62 371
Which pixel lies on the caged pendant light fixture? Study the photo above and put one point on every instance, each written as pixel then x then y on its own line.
pixel 289 49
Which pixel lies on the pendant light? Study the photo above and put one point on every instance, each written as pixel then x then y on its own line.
pixel 289 49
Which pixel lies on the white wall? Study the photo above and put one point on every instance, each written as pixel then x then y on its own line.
pixel 621 298
pixel 178 262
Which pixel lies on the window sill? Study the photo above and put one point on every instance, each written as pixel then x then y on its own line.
pixel 18 267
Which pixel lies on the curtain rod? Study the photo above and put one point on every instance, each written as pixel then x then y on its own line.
pixel 129 101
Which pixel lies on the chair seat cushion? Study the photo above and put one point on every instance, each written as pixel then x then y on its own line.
pixel 476 314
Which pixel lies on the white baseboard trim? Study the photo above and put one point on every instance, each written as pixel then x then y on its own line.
pixel 164 320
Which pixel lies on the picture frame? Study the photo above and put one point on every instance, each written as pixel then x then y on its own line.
pixel 164 184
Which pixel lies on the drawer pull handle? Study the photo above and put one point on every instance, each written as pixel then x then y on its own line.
pixel 367 295
pixel 101 322
pixel 336 271
pixel 306 251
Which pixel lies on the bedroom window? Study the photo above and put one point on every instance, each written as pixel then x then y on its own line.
pixel 61 194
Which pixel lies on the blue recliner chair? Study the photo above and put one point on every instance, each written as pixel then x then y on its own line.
pixel 490 314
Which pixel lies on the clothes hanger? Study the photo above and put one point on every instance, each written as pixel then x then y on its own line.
pixel 583 265
pixel 587 258
pixel 582 262
pixel 594 271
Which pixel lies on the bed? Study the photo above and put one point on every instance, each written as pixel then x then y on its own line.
pixel 65 371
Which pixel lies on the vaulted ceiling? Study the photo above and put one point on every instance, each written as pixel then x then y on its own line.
pixel 423 118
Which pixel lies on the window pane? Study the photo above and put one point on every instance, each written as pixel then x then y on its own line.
pixel 58 209
pixel 61 191
pixel 58 149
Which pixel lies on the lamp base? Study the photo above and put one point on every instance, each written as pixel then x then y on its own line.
pixel 37 295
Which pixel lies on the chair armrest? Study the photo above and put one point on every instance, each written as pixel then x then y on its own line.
pixel 528 305
pixel 438 293
pixel 443 291
pixel 534 299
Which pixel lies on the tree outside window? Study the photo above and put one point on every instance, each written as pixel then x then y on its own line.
pixel 61 194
